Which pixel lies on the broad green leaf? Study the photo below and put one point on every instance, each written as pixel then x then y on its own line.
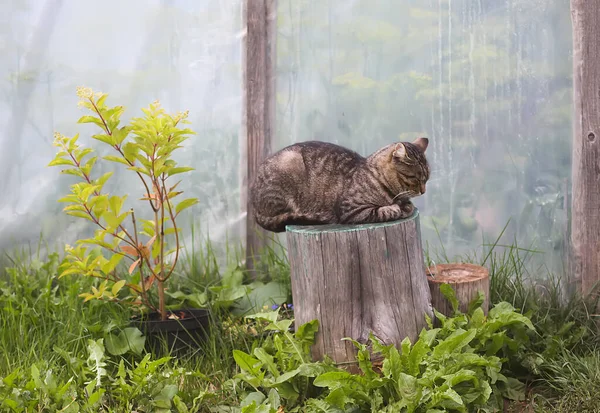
pixel 166 394
pixel 186 203
pixel 274 398
pixel 476 302
pixel 477 318
pixel 455 342
pixel 178 170
pixel 267 360
pixel 80 214
pixel 104 138
pixel 417 356
pixel 80 154
pixel 110 265
pixel 91 119
pixel 392 365
pixel 409 388
pixel 287 376
pixel 120 134
pixel 306 332
pixel 450 295
pixel 118 159
pixel 61 161
pixel 246 362
pixel 129 339
pixel 338 398
pixel 335 379
pixel 118 285
pixel 254 397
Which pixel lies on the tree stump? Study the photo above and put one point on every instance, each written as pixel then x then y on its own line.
pixel 358 279
pixel 466 280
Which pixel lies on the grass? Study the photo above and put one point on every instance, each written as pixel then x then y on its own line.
pixel 44 323
pixel 46 327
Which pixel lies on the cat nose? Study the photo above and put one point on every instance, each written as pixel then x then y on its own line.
pixel 422 189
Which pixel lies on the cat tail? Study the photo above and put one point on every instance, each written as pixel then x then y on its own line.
pixel 278 223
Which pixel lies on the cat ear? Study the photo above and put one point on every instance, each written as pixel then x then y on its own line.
pixel 421 143
pixel 399 151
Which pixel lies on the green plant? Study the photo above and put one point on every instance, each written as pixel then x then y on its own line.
pixel 145 147
pixel 457 367
pixel 452 368
pixel 281 368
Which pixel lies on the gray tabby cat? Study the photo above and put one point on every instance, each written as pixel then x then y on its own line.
pixel 311 183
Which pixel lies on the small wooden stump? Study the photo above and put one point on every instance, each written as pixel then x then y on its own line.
pixel 466 280
pixel 358 279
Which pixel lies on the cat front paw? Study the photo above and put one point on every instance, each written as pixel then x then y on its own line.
pixel 407 209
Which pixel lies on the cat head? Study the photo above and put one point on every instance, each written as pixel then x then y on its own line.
pixel 410 166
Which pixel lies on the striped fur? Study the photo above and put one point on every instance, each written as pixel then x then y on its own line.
pixel 313 182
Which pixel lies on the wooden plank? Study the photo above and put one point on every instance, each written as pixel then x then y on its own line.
pixel 585 227
pixel 259 107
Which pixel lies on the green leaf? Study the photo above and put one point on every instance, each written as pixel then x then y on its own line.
pixel 118 159
pixel 409 389
pixel 450 295
pixel 262 295
pixel 476 303
pixel 254 397
pixel 287 376
pixel 178 170
pixel 335 379
pixel 455 342
pixel 104 138
pixel 117 286
pixel 267 360
pixel 80 214
pixel 91 119
pixel 129 339
pixel 417 356
pixel 246 362
pixel 477 318
pixel 61 161
pixel 274 398
pixel 120 134
pixel 186 203
pixel 306 332
pixel 339 398
pixel 110 265
pixel 166 395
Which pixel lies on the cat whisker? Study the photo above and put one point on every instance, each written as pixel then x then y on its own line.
pixel 402 194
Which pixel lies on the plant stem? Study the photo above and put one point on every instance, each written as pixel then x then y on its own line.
pixel 161 300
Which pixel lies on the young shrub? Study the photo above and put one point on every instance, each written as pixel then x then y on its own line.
pixel 151 245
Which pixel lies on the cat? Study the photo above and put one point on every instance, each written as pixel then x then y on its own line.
pixel 314 183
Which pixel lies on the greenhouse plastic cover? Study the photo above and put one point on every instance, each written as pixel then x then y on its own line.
pixel 488 82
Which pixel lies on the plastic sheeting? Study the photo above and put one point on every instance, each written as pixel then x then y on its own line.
pixel 489 82
pixel 187 54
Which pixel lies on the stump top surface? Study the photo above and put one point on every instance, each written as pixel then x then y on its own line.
pixel 316 229
pixel 456 273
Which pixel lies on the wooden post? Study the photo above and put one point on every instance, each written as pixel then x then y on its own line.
pixel 466 280
pixel 358 279
pixel 259 62
pixel 585 225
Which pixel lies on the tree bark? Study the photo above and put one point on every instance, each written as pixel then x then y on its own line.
pixel 259 61
pixel 358 279
pixel 466 280
pixel 585 227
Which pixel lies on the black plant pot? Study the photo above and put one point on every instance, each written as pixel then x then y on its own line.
pixel 183 334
